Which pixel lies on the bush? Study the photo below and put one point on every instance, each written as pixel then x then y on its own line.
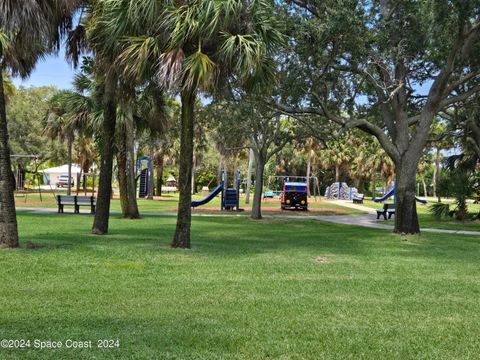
pixel 439 210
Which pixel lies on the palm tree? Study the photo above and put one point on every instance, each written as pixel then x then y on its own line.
pixel 60 125
pixel 94 34
pixel 195 47
pixel 28 31
pixel 153 114
pixel 338 155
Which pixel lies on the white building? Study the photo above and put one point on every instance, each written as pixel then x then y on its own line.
pixel 51 175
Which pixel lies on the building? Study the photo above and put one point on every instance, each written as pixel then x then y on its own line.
pixel 51 175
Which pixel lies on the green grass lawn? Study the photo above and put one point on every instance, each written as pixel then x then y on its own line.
pixel 296 289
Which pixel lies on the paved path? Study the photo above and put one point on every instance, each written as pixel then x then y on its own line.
pixel 366 220
pixel 349 204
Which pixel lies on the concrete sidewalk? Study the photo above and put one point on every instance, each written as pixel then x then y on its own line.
pixel 349 204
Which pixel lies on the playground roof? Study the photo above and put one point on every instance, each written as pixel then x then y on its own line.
pixel 291 183
pixel 62 169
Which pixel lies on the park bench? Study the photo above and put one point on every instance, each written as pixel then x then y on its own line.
pixel 387 209
pixel 358 198
pixel 76 201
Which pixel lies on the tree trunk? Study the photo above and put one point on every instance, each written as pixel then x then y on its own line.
pixel 194 164
pixel 8 216
pixel 258 192
pixel 69 155
pixel 160 174
pixel 406 219
pixel 337 173
pixel 151 174
pixel 249 176
pixel 225 171
pixel 181 238
pixel 436 173
pixel 100 223
pixel 122 171
pixel 424 184
pixel 309 169
pixel 133 212
pixel 219 169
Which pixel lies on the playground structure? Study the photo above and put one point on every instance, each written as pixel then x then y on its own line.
pixel 143 172
pixel 294 195
pixel 230 196
pixel 341 191
pixel 393 192
pixel 312 180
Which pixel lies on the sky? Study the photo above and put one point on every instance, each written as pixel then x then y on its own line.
pixel 53 70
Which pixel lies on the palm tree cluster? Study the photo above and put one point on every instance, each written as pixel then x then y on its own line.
pixel 141 53
pixel 28 31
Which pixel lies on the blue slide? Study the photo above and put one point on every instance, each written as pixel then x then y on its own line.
pixel 392 192
pixel 209 197
pixel 386 196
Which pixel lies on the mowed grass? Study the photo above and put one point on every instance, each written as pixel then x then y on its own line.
pixel 296 289
pixel 428 221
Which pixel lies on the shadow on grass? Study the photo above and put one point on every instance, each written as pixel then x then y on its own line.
pixel 237 237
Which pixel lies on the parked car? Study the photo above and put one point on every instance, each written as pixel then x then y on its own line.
pixel 63 181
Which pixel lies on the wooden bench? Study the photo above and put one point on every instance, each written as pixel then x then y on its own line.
pixel 76 202
pixel 358 198
pixel 387 209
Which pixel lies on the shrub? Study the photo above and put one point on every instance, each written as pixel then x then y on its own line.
pixel 439 210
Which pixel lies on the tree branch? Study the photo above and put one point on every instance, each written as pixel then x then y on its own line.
pixel 459 98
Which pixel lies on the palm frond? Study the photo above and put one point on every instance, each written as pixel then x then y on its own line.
pixel 199 70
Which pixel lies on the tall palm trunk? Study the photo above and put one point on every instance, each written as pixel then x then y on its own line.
pixel 260 162
pixel 122 170
pixel 309 169
pixel 133 212
pixel 181 238
pixel 151 174
pixel 159 167
pixel 69 155
pixel 424 184
pixel 8 216
pixel 249 177
pixel 337 173
pixel 436 173
pixel 219 169
pixel 100 223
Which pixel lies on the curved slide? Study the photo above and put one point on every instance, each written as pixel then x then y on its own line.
pixel 209 197
pixel 392 192
pixel 385 197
